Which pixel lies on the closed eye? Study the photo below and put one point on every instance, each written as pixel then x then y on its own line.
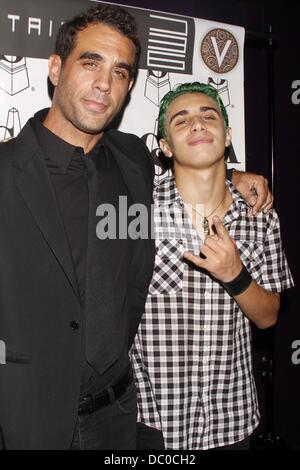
pixel 90 64
pixel 181 122
pixel 122 73
pixel 209 117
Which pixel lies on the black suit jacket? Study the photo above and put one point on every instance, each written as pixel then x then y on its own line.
pixel 39 384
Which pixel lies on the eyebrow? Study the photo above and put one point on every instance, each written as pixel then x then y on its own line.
pixel 98 57
pixel 91 55
pixel 184 112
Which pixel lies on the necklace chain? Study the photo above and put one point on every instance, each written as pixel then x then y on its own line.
pixel 205 223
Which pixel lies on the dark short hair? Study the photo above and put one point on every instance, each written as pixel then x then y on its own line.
pixel 111 15
pixel 182 89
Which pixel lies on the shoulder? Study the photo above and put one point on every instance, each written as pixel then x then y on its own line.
pixel 133 147
pixel 18 150
pixel 268 219
pixel 7 149
pixel 257 228
pixel 127 140
pixel 271 220
pixel 264 227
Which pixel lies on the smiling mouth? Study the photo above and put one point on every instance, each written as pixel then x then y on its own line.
pixel 96 106
pixel 201 140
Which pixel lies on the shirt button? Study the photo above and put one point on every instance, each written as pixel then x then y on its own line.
pixel 74 325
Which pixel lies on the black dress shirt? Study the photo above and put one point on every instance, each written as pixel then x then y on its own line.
pixel 70 172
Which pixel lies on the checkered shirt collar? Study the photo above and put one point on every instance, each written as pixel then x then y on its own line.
pixel 166 193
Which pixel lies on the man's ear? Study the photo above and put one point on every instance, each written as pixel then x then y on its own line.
pixel 55 66
pixel 165 148
pixel 131 82
pixel 228 136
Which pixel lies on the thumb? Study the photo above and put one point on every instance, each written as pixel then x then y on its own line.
pixel 200 262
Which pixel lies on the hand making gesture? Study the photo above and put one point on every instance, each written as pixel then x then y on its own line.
pixel 222 258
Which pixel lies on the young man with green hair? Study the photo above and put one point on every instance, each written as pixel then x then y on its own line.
pixel 217 269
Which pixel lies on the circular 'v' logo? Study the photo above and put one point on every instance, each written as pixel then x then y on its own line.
pixel 220 50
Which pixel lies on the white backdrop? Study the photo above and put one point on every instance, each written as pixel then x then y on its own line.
pixel 175 49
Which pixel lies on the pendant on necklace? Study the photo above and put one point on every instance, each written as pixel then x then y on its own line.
pixel 205 226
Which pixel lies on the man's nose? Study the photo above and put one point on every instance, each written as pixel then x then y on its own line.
pixel 198 124
pixel 103 80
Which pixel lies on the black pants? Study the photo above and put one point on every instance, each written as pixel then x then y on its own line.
pixel 152 439
pixel 112 427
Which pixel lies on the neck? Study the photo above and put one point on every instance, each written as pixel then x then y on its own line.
pixel 67 132
pixel 207 189
pixel 205 186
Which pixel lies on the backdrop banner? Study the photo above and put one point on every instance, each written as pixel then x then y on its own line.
pixel 175 49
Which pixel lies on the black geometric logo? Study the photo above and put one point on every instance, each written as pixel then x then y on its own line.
pixel 13 74
pixel 13 125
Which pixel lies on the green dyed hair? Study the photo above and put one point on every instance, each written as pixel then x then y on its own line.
pixel 195 87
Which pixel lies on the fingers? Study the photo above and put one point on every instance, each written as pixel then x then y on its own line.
pixel 260 186
pixel 219 227
pixel 254 189
pixel 244 182
pixel 200 262
pixel 250 196
pixel 209 248
pixel 268 205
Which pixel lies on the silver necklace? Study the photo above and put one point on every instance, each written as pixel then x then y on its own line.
pixel 205 223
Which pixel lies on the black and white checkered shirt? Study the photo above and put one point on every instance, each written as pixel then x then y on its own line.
pixel 192 355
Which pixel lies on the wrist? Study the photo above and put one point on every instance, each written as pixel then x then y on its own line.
pixel 239 284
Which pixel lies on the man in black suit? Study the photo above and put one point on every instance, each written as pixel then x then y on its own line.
pixel 71 300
